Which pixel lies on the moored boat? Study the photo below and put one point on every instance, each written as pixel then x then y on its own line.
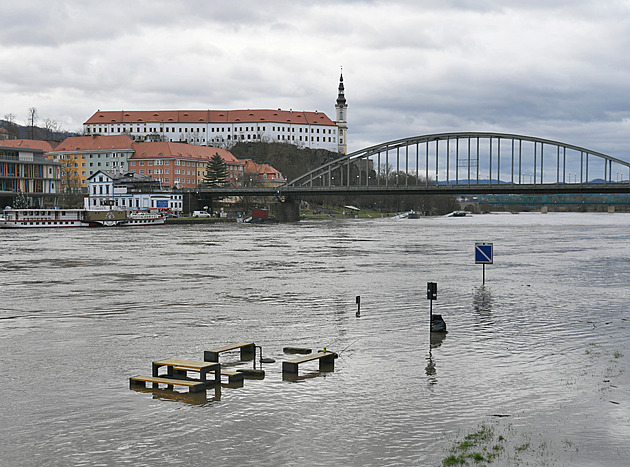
pixel 144 218
pixel 37 218
pixel 63 218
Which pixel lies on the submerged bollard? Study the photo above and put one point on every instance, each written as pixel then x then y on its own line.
pixel 358 305
pixel 262 359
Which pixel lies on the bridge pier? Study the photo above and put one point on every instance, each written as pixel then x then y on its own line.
pixel 287 210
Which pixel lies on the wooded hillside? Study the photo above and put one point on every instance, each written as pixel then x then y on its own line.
pixel 289 159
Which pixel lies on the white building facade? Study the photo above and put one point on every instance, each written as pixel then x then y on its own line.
pixel 224 128
pixel 221 128
pixel 108 189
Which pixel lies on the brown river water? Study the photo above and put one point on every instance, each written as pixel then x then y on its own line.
pixel 533 369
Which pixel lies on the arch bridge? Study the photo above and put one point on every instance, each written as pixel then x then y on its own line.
pixel 467 163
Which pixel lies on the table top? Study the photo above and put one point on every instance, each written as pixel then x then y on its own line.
pixel 187 363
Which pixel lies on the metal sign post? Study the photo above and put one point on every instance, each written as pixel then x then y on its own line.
pixel 483 255
pixel 431 295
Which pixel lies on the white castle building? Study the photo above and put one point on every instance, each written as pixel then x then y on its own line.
pixel 223 128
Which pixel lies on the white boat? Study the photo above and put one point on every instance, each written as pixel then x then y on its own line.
pixel 144 218
pixel 63 218
pixel 60 218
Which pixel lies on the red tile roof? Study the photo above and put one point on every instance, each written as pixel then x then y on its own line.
pixel 260 169
pixel 209 116
pixel 27 144
pixel 95 143
pixel 169 150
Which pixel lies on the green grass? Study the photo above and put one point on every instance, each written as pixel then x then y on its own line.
pixel 454 460
pixel 478 440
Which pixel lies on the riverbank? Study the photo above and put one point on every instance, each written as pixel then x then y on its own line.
pixel 199 220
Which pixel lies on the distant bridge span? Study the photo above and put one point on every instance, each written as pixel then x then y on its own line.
pixel 460 163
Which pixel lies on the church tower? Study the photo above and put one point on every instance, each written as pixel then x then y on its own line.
pixel 342 118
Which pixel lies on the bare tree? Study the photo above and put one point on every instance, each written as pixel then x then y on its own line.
pixel 32 120
pixel 11 126
pixel 51 129
pixel 71 191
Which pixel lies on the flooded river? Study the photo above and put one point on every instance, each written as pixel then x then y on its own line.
pixel 533 370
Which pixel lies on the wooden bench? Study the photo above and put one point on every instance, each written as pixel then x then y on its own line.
pixel 233 376
pixel 326 362
pixel 193 386
pixel 248 351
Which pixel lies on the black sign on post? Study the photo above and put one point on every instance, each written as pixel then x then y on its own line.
pixel 431 295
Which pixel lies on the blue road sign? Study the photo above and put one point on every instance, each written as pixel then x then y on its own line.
pixel 483 253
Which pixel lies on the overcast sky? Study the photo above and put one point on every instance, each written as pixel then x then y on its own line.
pixel 554 69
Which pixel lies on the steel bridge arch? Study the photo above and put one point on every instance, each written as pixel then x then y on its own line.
pixel 474 156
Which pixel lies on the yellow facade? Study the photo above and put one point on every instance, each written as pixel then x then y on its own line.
pixel 73 170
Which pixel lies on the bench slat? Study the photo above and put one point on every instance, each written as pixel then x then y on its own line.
pixel 193 386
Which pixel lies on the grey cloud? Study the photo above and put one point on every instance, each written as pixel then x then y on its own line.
pixel 552 69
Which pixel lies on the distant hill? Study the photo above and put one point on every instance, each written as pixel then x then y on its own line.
pixel 17 131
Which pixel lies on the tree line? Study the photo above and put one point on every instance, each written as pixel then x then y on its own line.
pixel 33 128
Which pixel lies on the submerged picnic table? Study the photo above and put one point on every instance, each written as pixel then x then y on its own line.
pixel 326 362
pixel 248 350
pixel 202 367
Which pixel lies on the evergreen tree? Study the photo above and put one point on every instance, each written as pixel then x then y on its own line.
pixel 216 172
pixel 20 201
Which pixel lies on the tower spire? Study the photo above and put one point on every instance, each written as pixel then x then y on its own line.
pixel 341 99
pixel 341 108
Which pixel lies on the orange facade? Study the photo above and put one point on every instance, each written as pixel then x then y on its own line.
pixel 180 165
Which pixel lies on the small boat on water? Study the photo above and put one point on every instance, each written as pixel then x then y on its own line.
pixel 63 218
pixel 144 218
